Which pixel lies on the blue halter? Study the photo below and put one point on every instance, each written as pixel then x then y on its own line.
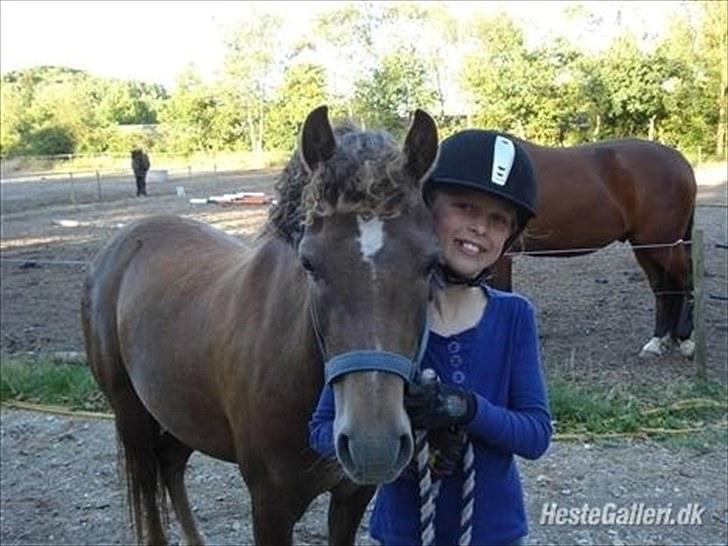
pixel 369 360
pixel 384 361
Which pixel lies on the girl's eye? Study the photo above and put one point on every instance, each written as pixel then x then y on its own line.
pixel 499 220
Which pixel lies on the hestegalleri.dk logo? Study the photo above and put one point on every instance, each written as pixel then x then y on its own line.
pixel 637 513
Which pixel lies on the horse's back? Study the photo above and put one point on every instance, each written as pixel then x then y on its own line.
pixel 178 265
pixel 593 194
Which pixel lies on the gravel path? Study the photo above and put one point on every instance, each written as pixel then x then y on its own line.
pixel 60 486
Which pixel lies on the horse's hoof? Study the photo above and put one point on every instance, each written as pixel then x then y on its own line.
pixel 687 348
pixel 657 346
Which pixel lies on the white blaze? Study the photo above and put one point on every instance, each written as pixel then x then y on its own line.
pixel 371 237
pixel 371 241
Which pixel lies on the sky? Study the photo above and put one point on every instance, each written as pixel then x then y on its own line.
pixel 154 41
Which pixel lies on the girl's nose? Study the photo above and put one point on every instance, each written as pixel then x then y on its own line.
pixel 478 229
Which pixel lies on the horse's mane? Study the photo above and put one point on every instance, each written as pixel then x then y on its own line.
pixel 365 176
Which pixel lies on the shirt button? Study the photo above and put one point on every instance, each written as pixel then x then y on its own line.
pixel 458 377
pixel 453 346
pixel 456 361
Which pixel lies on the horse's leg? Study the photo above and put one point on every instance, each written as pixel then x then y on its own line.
pixel 275 511
pixel 173 457
pixel 661 339
pixel 347 506
pixel 679 267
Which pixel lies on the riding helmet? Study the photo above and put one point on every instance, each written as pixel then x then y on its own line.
pixel 489 161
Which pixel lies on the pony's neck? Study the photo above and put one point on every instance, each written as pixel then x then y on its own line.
pixel 456 308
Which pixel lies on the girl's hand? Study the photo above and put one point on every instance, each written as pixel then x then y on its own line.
pixel 446 446
pixel 435 405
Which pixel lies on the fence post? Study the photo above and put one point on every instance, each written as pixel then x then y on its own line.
pixel 73 191
pixel 699 302
pixel 98 185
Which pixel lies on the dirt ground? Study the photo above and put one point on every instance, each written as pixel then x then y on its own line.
pixel 59 483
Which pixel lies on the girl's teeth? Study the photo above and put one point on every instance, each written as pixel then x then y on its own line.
pixel 470 247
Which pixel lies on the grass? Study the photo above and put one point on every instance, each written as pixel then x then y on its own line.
pixel 688 413
pixel 43 381
pixel 660 411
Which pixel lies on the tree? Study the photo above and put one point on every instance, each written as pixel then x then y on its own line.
pixel 349 34
pixel 493 73
pixel 713 46
pixel 188 115
pixel 303 89
pixel 253 60
pixel 394 90
pixel 131 102
pixel 635 84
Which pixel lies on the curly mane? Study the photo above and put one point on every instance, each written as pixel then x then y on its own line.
pixel 365 176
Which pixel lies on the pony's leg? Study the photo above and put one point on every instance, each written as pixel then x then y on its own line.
pixel 173 457
pixel 275 511
pixel 661 340
pixel 347 506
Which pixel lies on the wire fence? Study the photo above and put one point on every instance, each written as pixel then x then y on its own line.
pixel 106 165
pixel 600 286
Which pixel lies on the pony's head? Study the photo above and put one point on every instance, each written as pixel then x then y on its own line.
pixel 366 241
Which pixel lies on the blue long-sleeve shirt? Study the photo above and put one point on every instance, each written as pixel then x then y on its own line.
pixel 498 360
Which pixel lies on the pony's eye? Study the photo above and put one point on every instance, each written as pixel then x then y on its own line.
pixel 310 269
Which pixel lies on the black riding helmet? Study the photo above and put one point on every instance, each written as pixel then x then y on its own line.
pixel 491 162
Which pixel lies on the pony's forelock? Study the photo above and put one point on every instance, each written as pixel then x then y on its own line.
pixel 366 176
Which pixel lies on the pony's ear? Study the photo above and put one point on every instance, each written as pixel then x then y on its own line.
pixel 420 145
pixel 317 138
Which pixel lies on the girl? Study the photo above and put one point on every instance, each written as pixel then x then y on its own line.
pixel 483 346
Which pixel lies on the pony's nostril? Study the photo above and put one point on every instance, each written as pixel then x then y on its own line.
pixel 406 447
pixel 342 450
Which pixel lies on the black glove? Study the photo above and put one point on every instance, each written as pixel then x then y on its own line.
pixel 435 405
pixel 445 446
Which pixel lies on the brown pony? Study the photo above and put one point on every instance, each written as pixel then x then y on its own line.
pixel 628 190
pixel 201 344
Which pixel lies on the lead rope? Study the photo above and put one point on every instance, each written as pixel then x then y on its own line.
pixel 429 491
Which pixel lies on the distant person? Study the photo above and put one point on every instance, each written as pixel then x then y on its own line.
pixel 140 166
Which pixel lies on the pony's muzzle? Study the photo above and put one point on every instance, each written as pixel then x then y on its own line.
pixel 371 460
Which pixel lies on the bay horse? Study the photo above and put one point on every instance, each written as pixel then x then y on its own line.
pixel 202 344
pixel 627 190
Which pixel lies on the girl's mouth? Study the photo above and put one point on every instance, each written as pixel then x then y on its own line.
pixel 470 248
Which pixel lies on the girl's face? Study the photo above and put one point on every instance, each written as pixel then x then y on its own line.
pixel 472 228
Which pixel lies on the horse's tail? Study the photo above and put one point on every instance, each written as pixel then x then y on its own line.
pixel 138 433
